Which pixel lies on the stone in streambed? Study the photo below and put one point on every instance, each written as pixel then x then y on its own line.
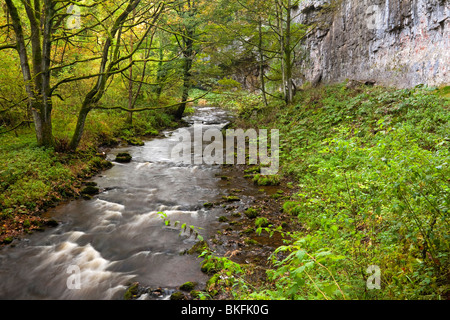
pixel 177 296
pixel 123 157
pixel 135 142
pixel 90 190
pixel 188 286
pixel 132 291
pixel 231 198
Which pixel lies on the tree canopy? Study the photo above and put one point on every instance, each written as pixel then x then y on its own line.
pixel 157 51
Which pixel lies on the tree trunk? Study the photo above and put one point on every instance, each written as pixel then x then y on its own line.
pixel 47 106
pixel 44 130
pixel 281 35
pixel 36 84
pixel 288 55
pixel 261 62
pixel 130 82
pixel 79 129
pixel 130 93
pixel 186 86
pixel 188 59
pixel 160 73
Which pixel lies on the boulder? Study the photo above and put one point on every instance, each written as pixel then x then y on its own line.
pixel 90 190
pixel 177 296
pixel 188 286
pixel 132 291
pixel 123 157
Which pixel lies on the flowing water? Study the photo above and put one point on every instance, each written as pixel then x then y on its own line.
pixel 118 237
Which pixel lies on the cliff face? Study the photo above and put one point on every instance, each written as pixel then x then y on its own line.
pixel 399 43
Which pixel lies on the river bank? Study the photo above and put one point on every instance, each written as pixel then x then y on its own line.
pixel 369 168
pixel 117 237
pixel 33 179
pixel 351 159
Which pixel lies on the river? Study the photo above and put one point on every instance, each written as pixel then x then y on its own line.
pixel 118 237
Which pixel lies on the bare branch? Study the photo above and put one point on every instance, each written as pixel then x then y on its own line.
pixel 9 46
pixel 150 108
pixel 17 126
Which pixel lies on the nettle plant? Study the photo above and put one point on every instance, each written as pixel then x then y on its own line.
pixel 184 227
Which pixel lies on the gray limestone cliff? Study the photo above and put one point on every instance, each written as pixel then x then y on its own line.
pixel 391 42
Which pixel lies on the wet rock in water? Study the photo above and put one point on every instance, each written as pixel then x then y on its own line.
pixel 198 248
pixel 223 219
pixel 7 240
pixel 208 205
pixel 132 291
pixel 177 296
pixel 266 180
pixel 135 142
pixel 106 164
pixel 90 190
pixel 157 292
pixel 123 157
pixel 231 198
pixel 251 213
pixel 51 223
pixel 188 286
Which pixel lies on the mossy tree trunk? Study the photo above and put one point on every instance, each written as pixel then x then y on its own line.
pixel 187 66
pixel 37 78
pixel 188 13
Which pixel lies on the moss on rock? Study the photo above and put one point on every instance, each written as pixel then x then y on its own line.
pixel 223 219
pixel 188 286
pixel 198 248
pixel 208 205
pixel 132 291
pixel 266 180
pixel 134 141
pixel 177 295
pixel 231 198
pixel 90 190
pixel 123 157
pixel 251 213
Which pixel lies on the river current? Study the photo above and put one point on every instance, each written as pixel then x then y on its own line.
pixel 117 238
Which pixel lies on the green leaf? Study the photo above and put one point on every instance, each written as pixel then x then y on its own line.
pixel 299 270
pixel 299 255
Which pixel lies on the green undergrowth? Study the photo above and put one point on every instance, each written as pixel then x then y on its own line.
pixel 33 179
pixel 107 128
pixel 371 170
